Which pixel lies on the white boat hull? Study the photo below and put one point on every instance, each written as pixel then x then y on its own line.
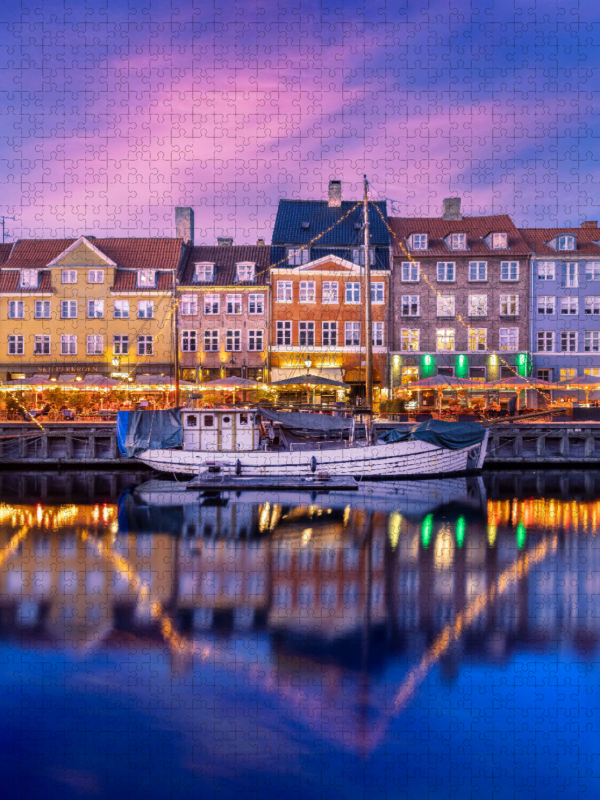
pixel 394 460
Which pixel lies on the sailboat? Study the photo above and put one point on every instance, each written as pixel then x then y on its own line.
pixel 256 443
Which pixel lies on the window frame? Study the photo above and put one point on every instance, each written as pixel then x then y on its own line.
pixel 285 292
pixel 307 292
pixel 256 336
pixel 546 338
pixel 212 338
pixel 148 305
pixel 66 344
pixel 123 344
pixel 353 292
pixel 189 340
pixel 352 339
pixel 256 303
pixel 407 334
pixel 142 275
pixel 94 338
pixel 68 273
pixel 407 303
pixel 206 268
pixel 508 334
pixel 306 333
pixel 442 270
pixel 476 266
pixel 448 334
pixel 329 333
pixel 123 311
pixel 510 265
pixel 233 304
pixel 16 341
pixel 233 340
pixel 145 344
pixel 98 309
pixel 471 311
pixel 92 274
pixel 283 331
pixel 473 337
pixel 409 267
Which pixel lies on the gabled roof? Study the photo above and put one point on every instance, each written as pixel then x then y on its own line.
pixel 90 245
pixel 536 238
pixel 320 216
pixel 10 279
pixel 225 257
pixel 476 228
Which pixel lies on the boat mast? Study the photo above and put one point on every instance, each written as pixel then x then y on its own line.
pixel 367 301
pixel 175 338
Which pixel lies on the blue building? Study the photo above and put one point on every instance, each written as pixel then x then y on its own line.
pixel 565 301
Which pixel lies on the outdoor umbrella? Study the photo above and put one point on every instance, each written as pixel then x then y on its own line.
pixel 229 384
pixel 517 382
pixel 311 380
pixel 441 382
pixel 33 381
pixel 586 382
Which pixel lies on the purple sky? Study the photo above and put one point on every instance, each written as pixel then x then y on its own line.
pixel 115 112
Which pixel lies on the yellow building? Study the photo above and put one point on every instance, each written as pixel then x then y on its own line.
pixel 88 306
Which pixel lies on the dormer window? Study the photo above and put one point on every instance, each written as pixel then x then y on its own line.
pixel 418 241
pixel 565 242
pixel 204 272
pixel 499 241
pixel 244 272
pixel 29 279
pixel 146 279
pixel 458 241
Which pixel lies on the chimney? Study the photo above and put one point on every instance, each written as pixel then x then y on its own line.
pixel 184 224
pixel 260 242
pixel 335 194
pixel 590 223
pixel 225 241
pixel 452 208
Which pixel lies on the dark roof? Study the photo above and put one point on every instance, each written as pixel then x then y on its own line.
pixel 536 238
pixel 476 228
pixel 9 282
pixel 126 281
pixel 5 249
pixel 225 257
pixel 128 253
pixel 292 213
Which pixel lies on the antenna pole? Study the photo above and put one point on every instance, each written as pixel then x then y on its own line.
pixel 368 314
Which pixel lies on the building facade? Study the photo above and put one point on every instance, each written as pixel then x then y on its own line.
pixel 460 297
pixel 223 312
pixel 565 301
pixel 88 306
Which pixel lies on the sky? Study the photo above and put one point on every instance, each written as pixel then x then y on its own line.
pixel 113 113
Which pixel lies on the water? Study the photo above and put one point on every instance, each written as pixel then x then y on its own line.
pixel 432 641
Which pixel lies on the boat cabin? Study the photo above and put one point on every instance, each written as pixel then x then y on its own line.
pixel 220 429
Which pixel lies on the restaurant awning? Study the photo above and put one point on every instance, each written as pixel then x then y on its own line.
pixel 310 380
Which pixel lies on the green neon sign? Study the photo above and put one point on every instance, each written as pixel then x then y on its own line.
pixel 427 530
pixel 461 528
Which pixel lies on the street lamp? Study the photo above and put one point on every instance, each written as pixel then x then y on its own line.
pixel 307 363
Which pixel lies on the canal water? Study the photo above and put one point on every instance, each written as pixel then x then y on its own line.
pixel 420 640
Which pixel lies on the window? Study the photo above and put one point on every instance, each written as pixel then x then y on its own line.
pixel 41 345
pixel 329 334
pixel 297 256
pixel 592 371
pixel 565 242
pixel 544 374
pixel 308 292
pixel 509 270
pixel 591 342
pixel 409 339
pixel 256 304
pixel 95 344
pixel 545 341
pixel 189 341
pixel 445 305
pixel 68 345
pixel 377 294
pixel 409 305
pixel 546 270
pixel 569 306
pixel 95 276
pixel 121 309
pixel 284 333
pixel 568 374
pixel 121 345
pixel 477 305
pixel 592 271
pixel 16 345
pixel 255 340
pixel 458 241
pixel 353 292
pixel 499 241
pixel 145 309
pixel 329 292
pixel 95 309
pixel 568 341
pixel 204 272
pixel 477 373
pixel 419 241
pixel 477 339
pixel 569 275
pixel 16 309
pixel 68 276
pixel 211 303
pixel 145 345
pixel 245 272
pixel 546 304
pixel 445 339
pixel 352 334
pixel 234 303
pixel 592 305
pixel 285 292
pixel 233 341
pixel 445 271
pixel 42 309
pixel 410 272
pixel 509 338
pixel 306 332
pixel 188 305
pixel 211 341
pixel 29 278
pixel 358 256
pixel 478 270
pixel 146 278
pixel 509 305
pixel 378 334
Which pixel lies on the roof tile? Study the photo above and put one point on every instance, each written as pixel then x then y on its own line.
pixel 587 239
pixel 225 257
pixel 291 214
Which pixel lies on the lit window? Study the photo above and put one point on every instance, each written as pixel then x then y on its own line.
pixel 509 270
pixel 477 305
pixel 409 339
pixel 145 309
pixel 509 305
pixel 546 270
pixel 68 345
pixel 211 304
pixel 353 292
pixel 233 341
pixel 146 278
pixel 189 341
pixel 545 341
pixel 329 334
pixel 410 272
pixel 95 276
pixel 352 334
pixel 568 341
pixel 445 339
pixel 95 344
pixel 477 339
pixel 306 333
pixel 256 304
pixel 445 305
pixel 204 272
pixel 308 292
pixel 245 272
pixel 546 304
pixel 285 292
pixel 445 271
pixel 509 339
pixel 568 374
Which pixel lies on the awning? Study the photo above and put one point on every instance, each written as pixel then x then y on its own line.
pixel 281 373
pixel 359 375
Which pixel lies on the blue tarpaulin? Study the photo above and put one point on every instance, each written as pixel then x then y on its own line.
pixel 122 425
pixel 451 435
pixel 149 430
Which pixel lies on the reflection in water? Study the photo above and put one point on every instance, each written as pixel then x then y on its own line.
pixel 340 612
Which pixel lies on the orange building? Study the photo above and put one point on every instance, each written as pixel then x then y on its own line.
pixel 317 322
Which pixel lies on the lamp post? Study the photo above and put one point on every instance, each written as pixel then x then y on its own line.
pixel 308 365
